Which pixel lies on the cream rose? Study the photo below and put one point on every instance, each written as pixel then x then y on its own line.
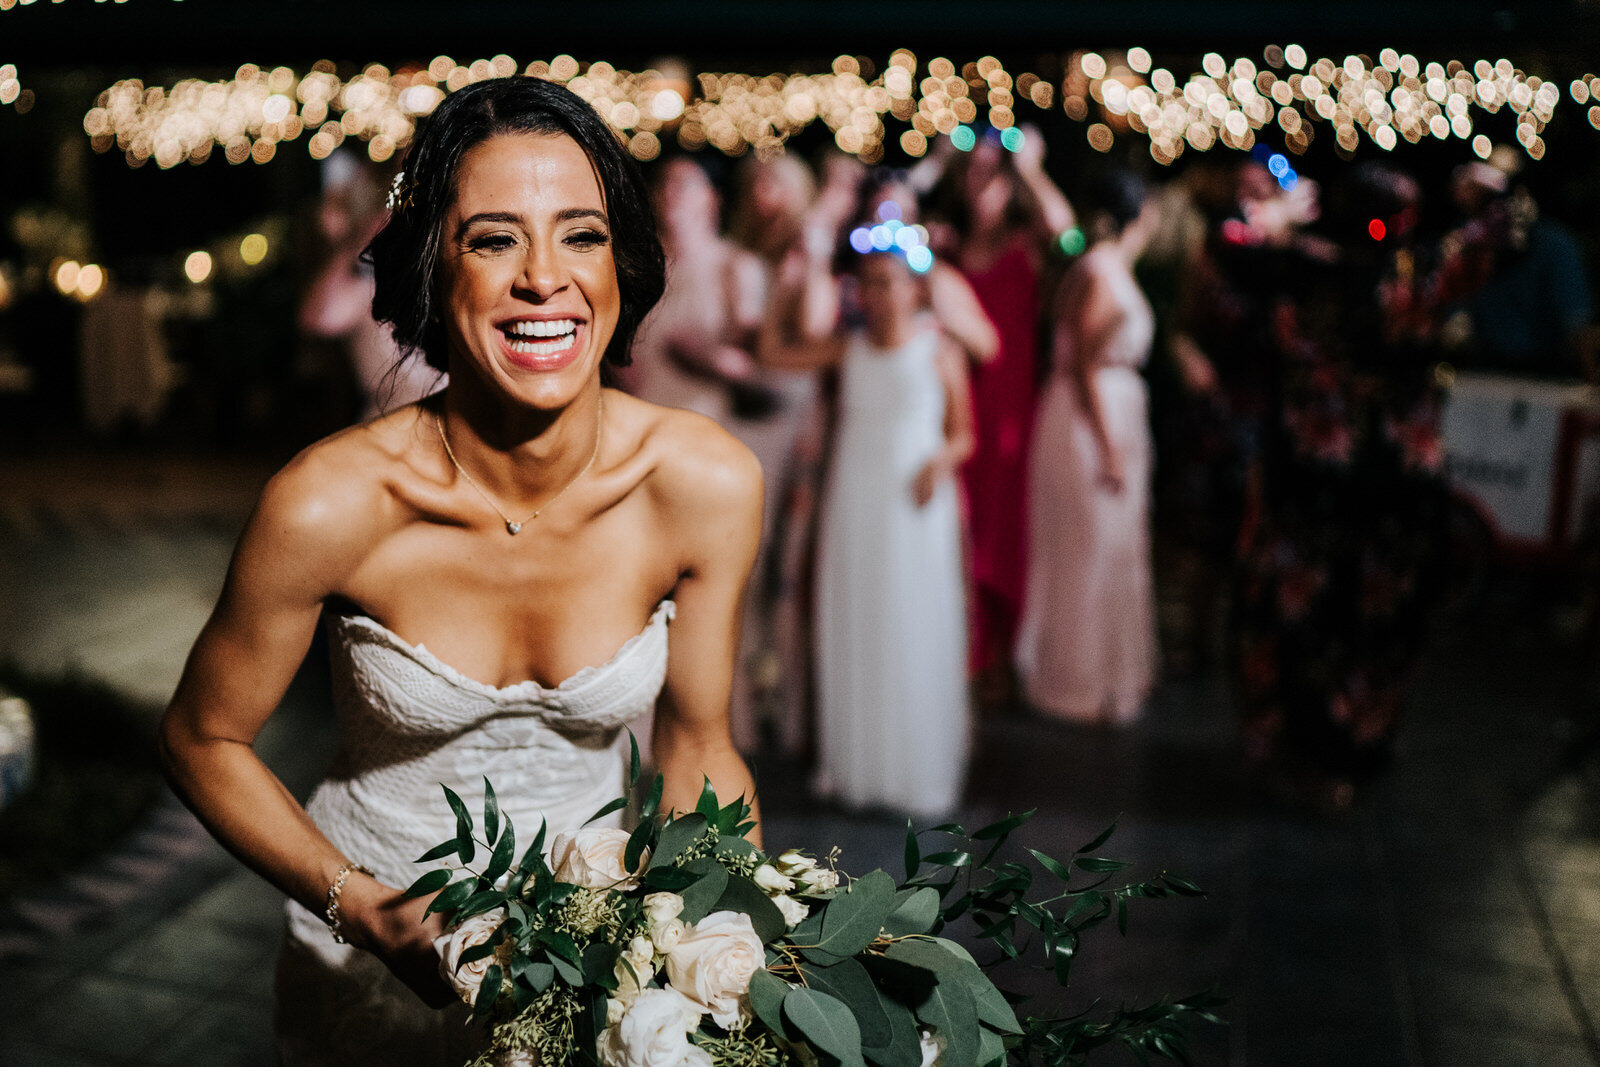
pixel 794 862
pixel 932 1049
pixel 665 936
pixel 662 907
pixel 654 1032
pixel 768 878
pixel 466 978
pixel 794 912
pixel 713 961
pixel 592 858
pixel 822 878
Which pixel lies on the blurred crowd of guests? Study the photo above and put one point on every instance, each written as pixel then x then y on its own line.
pixel 969 393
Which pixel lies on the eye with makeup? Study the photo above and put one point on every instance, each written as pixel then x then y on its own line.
pixel 491 242
pixel 588 238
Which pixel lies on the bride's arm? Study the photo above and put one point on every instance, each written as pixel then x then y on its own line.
pixel 711 500
pixel 292 555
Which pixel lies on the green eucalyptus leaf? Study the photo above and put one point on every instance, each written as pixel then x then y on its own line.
pixel 638 841
pixel 1096 865
pixel 852 920
pixel 700 897
pixel 741 894
pixel 677 836
pixel 925 952
pixel 904 1048
pixel 480 902
pixel 606 809
pixel 491 814
pixel 708 804
pixel 668 879
pixel 766 994
pixel 476 952
pixel 736 848
pixel 914 912
pixel 905 982
pixel 571 973
pixel 728 820
pixel 561 947
pixel 991 1048
pixel 540 975
pixel 463 817
pixel 431 882
pixel 949 859
pixel 599 964
pixel 1182 886
pixel 1104 836
pixel 849 983
pixel 949 1009
pixel 633 761
pixel 440 851
pixel 488 992
pixel 451 897
pixel 504 850
pixel 1054 866
pixel 652 802
pixel 826 1023
pixel 1003 827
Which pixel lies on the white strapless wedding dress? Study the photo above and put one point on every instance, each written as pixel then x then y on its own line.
pixel 409 722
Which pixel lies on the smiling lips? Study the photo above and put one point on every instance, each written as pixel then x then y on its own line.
pixel 542 344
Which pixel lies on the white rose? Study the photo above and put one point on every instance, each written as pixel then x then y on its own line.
pixel 465 978
pixel 654 1032
pixel 713 962
pixel 592 858
pixel 640 952
pixel 932 1049
pixel 794 912
pixel 667 935
pixel 823 878
pixel 768 878
pixel 632 978
pixel 794 862
pixel 660 907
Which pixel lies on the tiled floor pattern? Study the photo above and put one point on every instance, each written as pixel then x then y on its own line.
pixel 1452 918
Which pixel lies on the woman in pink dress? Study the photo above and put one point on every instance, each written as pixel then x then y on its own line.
pixel 1010 214
pixel 1086 644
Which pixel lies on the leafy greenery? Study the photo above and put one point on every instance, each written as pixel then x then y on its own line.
pixel 865 977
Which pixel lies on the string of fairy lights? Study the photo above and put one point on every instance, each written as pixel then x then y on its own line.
pixel 1288 94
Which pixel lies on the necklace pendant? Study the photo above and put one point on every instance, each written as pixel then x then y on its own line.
pixel 513 527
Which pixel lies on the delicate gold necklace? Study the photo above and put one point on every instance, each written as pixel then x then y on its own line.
pixel 513 525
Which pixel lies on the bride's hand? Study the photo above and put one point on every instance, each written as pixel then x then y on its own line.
pixel 390 926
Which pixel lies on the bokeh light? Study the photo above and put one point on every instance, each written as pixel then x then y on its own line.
pixel 253 249
pixel 197 268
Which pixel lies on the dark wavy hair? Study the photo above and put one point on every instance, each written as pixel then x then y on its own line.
pixel 1117 195
pixel 405 253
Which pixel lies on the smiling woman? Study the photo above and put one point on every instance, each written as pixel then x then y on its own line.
pixel 468 642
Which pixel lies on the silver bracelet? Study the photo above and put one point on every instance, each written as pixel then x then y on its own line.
pixel 331 913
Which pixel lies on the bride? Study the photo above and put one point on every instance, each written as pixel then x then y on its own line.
pixel 497 567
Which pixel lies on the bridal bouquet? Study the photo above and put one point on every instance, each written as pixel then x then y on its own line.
pixel 680 944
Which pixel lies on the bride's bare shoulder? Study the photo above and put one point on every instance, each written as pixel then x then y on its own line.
pixel 691 463
pixel 345 491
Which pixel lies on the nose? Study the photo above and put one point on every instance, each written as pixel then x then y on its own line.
pixel 544 272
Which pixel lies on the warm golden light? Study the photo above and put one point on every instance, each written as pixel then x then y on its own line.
pixel 65 275
pixel 90 281
pixel 253 249
pixel 197 268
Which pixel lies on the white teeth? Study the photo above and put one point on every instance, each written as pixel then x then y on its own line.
pixel 541 348
pixel 542 327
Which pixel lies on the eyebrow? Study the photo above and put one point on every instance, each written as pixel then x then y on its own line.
pixel 564 215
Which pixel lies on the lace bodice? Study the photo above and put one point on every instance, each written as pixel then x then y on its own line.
pixel 409 722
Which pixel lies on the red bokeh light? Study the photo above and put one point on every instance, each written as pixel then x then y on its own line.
pixel 1377 229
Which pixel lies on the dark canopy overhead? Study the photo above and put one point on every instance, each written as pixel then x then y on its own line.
pixel 138 35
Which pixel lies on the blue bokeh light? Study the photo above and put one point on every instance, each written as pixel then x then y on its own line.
pixel 889 210
pixel 882 238
pixel 1013 138
pixel 963 138
pixel 861 239
pixel 1278 164
pixel 920 259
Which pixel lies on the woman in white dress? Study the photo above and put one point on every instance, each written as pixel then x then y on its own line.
pixel 890 608
pixel 1086 647
pixel 498 566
